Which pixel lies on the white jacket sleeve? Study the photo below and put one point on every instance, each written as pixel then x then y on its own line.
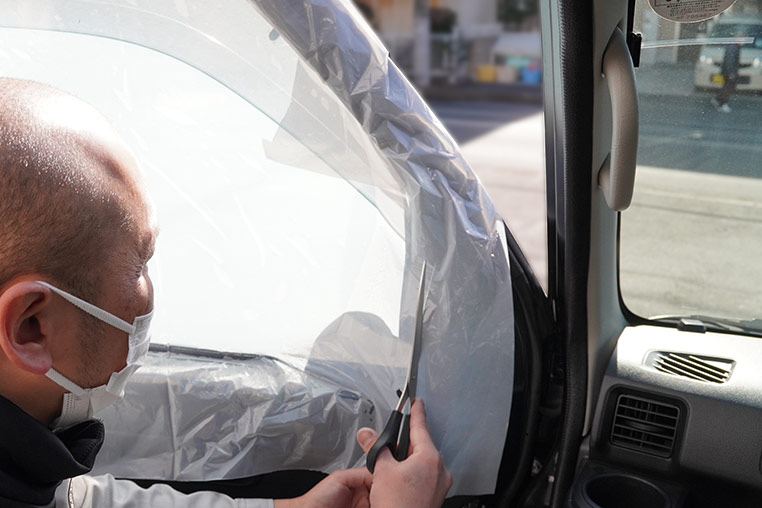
pixel 106 491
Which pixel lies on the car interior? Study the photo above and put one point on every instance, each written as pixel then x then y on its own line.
pixel 661 393
pixel 633 375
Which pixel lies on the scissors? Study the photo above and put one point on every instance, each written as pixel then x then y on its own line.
pixel 397 439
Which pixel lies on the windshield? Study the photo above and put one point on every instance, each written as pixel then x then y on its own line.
pixel 256 227
pixel 691 242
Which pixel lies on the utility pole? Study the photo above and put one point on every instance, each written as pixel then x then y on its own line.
pixel 421 45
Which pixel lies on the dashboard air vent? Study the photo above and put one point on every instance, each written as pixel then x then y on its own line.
pixel 699 368
pixel 645 425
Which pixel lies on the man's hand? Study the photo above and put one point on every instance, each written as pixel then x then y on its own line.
pixel 420 481
pixel 349 488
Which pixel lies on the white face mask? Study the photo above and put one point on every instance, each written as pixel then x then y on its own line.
pixel 81 403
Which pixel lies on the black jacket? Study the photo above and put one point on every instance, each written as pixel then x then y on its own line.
pixel 730 62
pixel 34 460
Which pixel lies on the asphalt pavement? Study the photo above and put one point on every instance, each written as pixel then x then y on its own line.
pixel 687 132
pixel 681 129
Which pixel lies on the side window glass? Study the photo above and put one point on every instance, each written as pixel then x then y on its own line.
pixel 691 241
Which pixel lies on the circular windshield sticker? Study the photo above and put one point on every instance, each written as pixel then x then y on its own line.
pixel 689 11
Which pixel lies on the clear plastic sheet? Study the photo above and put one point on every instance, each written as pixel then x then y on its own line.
pixel 199 418
pixel 339 109
pixel 449 221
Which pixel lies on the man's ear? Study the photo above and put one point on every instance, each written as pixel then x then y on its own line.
pixel 23 306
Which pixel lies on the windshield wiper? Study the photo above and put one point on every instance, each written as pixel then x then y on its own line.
pixel 702 323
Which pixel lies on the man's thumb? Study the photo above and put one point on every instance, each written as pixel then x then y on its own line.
pixel 366 437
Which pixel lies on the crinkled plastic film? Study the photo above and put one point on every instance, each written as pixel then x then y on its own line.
pixel 343 101
pixel 200 418
pixel 450 222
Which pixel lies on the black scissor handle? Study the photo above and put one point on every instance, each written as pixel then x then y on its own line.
pixel 404 441
pixel 387 439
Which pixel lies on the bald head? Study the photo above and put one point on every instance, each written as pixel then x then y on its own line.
pixel 68 188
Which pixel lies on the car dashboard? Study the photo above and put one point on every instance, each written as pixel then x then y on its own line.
pixel 676 423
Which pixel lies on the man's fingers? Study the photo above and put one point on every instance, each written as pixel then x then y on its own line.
pixel 419 431
pixel 383 459
pixel 354 478
pixel 419 434
pixel 365 438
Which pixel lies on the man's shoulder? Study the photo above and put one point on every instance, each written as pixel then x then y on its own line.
pixel 36 460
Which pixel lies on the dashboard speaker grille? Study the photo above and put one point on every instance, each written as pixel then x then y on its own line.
pixel 645 425
pixel 699 368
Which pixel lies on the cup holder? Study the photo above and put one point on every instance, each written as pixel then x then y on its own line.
pixel 624 491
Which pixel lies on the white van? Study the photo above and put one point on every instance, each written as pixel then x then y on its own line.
pixel 708 72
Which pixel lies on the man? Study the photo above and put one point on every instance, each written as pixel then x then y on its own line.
pixel 729 70
pixel 75 303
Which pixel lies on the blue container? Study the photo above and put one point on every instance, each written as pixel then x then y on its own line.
pixel 531 76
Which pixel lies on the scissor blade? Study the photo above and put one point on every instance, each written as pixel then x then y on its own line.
pixel 417 337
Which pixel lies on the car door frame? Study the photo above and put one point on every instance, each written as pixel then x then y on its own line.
pixel 582 229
